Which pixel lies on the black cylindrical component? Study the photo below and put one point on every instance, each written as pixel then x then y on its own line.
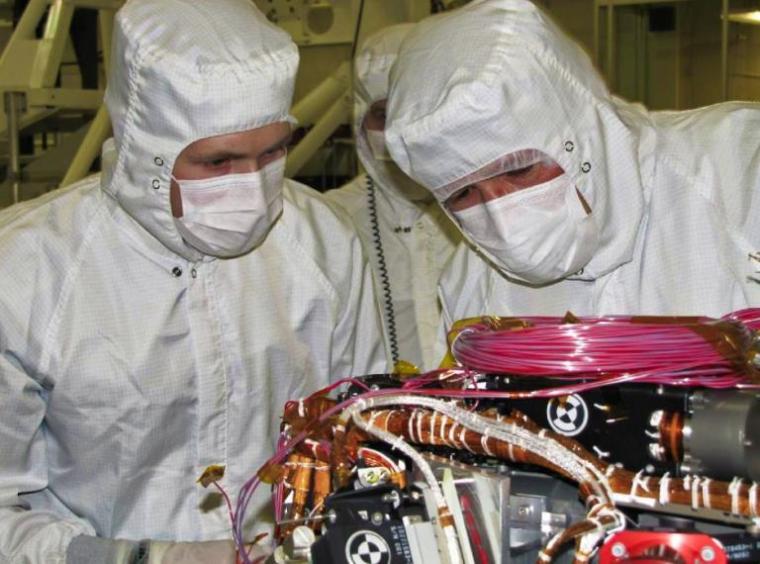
pixel 721 437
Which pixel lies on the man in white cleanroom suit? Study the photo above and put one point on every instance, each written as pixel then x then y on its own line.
pixel 406 235
pixel 155 319
pixel 579 200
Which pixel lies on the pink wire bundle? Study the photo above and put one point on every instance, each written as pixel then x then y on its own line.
pixel 674 351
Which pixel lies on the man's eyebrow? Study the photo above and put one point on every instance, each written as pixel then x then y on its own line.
pixel 221 154
pixel 283 141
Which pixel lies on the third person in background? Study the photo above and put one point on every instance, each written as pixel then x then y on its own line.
pixel 407 237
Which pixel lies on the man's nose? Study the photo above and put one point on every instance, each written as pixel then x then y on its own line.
pixel 494 188
pixel 247 165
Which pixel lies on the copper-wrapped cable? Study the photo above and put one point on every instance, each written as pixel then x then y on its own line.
pixel 321 488
pixel 301 485
pixel 301 413
pixel 297 480
pixel 425 427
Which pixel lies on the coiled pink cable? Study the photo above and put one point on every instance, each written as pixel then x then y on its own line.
pixel 687 352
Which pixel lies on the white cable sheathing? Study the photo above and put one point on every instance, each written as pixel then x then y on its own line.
pixel 578 468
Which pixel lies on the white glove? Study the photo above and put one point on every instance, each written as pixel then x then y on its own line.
pixel 208 552
pixel 93 550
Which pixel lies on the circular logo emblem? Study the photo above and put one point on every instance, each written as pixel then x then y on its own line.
pixel 367 547
pixel 567 415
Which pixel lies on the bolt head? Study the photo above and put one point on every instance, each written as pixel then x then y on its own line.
pixel 619 550
pixel 707 554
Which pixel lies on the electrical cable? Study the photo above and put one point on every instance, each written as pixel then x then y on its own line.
pixel 382 269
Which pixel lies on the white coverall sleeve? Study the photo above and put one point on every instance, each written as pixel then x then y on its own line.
pixel 27 536
pixel 359 344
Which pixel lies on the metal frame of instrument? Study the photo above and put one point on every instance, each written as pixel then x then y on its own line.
pixel 29 67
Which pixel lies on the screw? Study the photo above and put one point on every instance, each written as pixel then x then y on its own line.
pixel 655 418
pixel 377 518
pixel 707 554
pixel 524 510
pixel 656 451
pixel 618 550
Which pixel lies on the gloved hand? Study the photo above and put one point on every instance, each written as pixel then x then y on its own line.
pixel 209 552
pixel 92 550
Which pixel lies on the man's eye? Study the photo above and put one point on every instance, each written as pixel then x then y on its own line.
pixel 461 195
pixel 275 151
pixel 521 171
pixel 271 155
pixel 217 162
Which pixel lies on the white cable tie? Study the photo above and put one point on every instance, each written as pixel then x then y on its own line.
pixel 610 470
pixel 301 408
pixel 753 499
pixel 373 417
pixel 706 493
pixel 419 426
pixel 543 557
pixel 410 426
pixel 734 488
pixel 687 482
pixel 432 424
pixel 388 417
pixel 645 483
pixel 441 434
pixel 664 497
pixel 635 483
pixel 511 451
pixel 695 493
pixel 600 453
pixel 462 434
pixel 484 442
pixel 542 433
pixel 451 438
pixel 397 442
pixel 339 428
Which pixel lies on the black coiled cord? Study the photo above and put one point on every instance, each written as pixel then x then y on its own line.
pixel 383 269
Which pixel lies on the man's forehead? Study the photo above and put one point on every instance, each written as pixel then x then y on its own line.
pixel 260 138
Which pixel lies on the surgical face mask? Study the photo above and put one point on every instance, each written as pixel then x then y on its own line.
pixel 229 215
pixel 538 235
pixel 376 142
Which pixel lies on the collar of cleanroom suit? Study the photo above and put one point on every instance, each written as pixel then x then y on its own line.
pixel 672 194
pixel 128 361
pixel 414 238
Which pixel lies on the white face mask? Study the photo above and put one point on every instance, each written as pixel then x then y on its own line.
pixel 229 215
pixel 376 142
pixel 537 235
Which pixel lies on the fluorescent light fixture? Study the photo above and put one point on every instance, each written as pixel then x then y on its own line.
pixel 752 18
